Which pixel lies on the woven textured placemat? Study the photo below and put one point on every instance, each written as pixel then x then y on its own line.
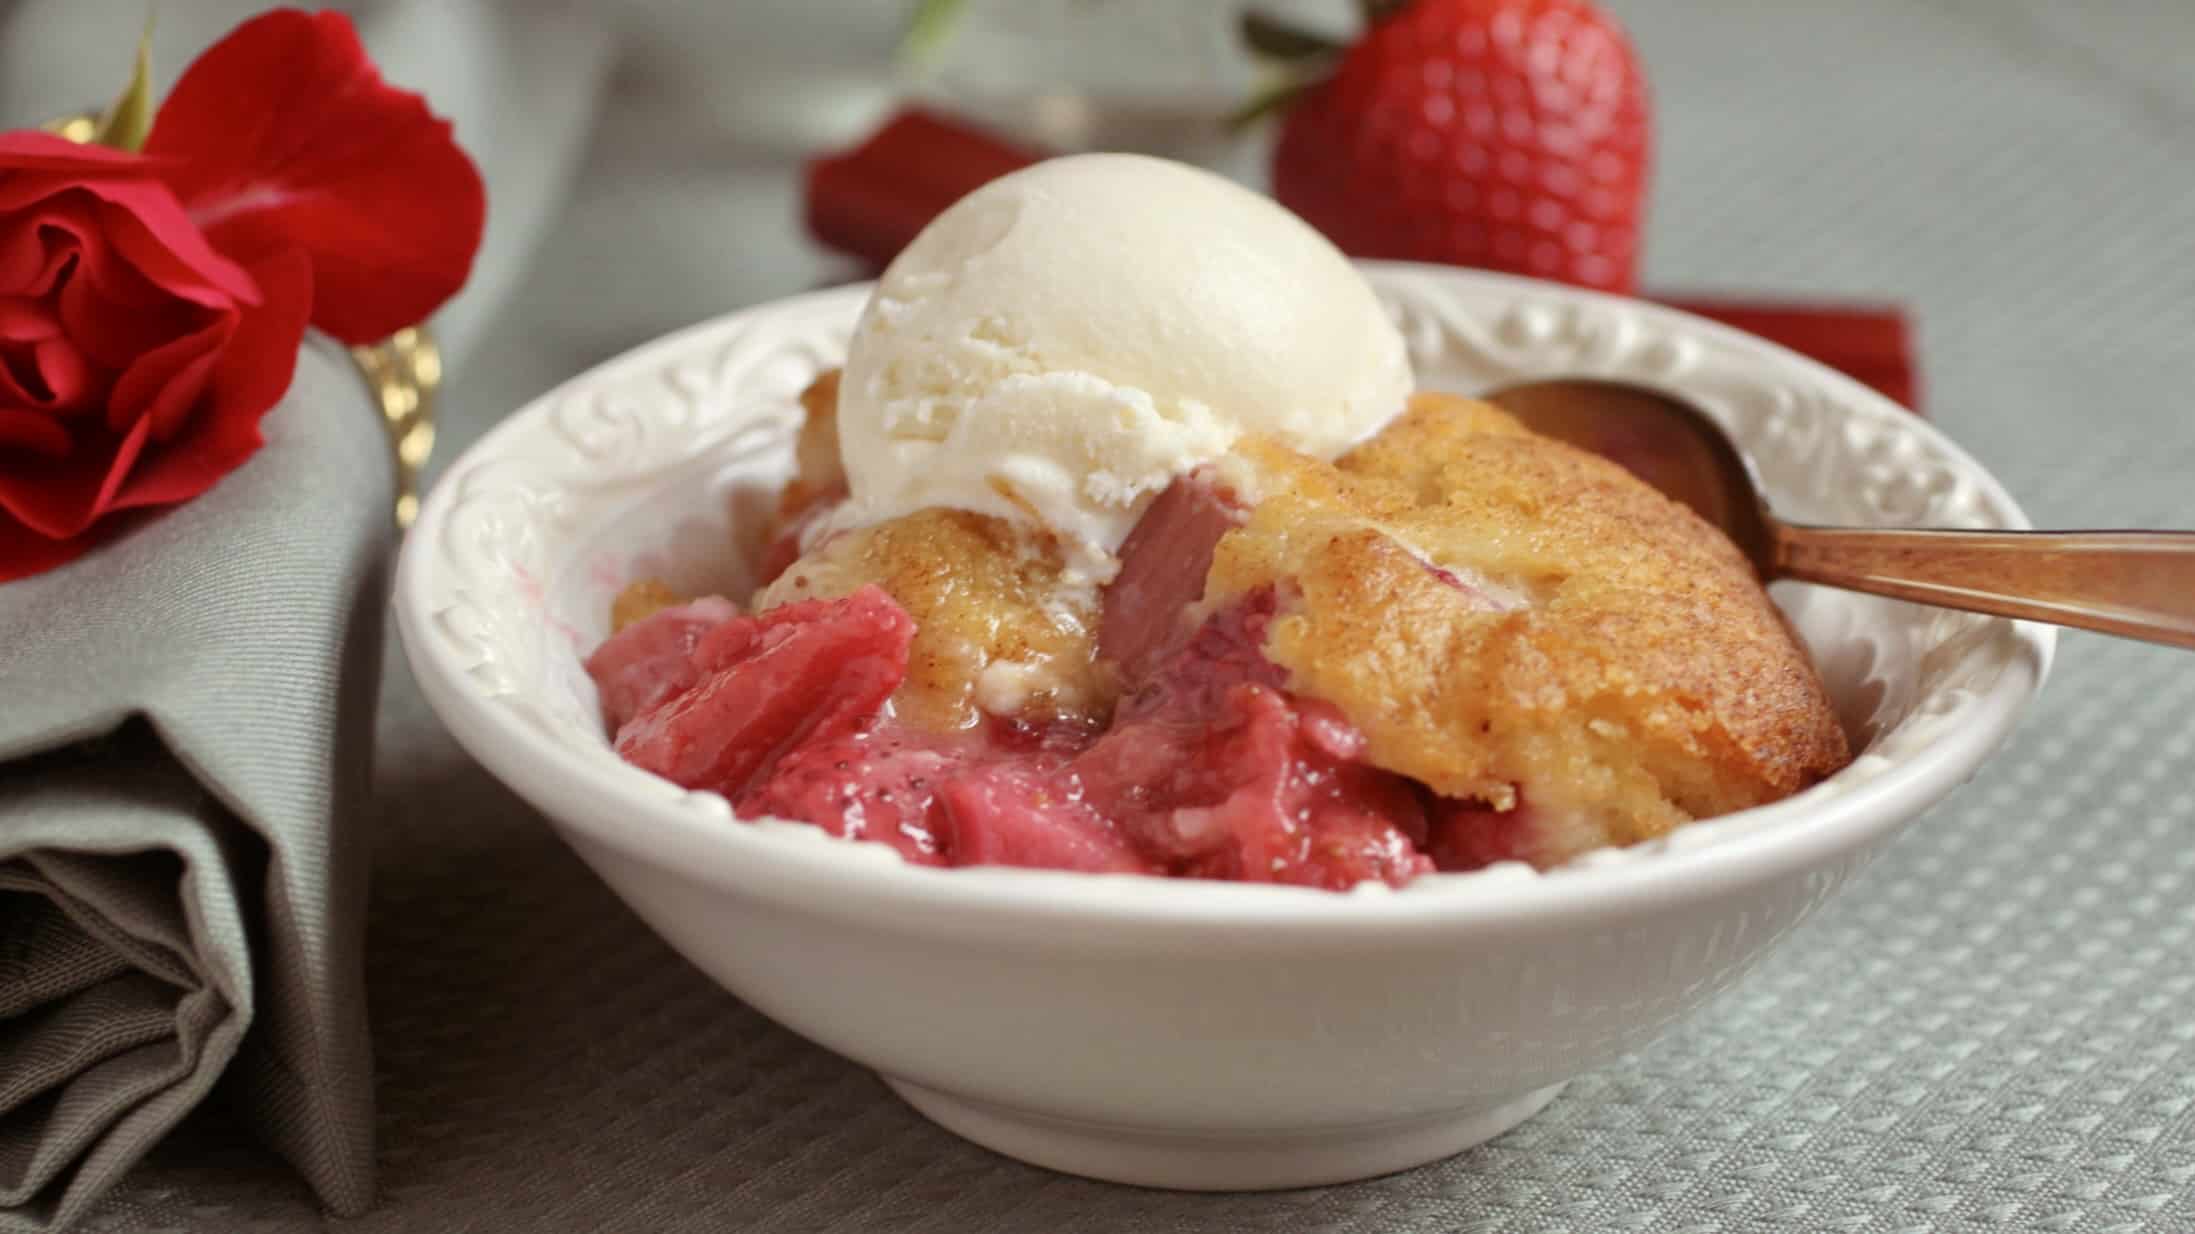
pixel 1992 1029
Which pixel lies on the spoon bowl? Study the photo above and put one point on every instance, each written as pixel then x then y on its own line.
pixel 2135 584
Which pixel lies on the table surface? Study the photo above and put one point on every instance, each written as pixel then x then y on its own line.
pixel 1993 1028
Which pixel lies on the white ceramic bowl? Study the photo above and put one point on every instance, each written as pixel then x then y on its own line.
pixel 1189 1034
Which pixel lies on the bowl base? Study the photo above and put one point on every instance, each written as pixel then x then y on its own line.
pixel 1221 1161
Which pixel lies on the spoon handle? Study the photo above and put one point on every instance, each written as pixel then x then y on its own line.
pixel 2137 584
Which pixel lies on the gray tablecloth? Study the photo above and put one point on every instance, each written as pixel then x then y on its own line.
pixel 1994 1029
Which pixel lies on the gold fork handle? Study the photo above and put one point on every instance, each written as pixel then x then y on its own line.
pixel 2135 584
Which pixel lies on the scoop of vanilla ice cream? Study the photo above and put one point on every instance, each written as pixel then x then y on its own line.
pixel 1063 342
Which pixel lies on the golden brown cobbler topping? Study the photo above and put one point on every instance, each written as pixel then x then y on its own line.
pixel 993 622
pixel 1590 639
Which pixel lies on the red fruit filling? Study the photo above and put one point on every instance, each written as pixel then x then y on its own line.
pixel 880 783
pixel 1162 567
pixel 763 686
pixel 1215 771
pixel 1209 769
pixel 1467 835
pixel 653 657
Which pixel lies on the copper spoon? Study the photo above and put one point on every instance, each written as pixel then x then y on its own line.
pixel 2136 584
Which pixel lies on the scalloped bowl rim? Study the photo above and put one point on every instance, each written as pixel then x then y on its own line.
pixel 648 819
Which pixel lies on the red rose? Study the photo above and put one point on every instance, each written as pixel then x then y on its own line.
pixel 135 361
pixel 283 135
pixel 151 306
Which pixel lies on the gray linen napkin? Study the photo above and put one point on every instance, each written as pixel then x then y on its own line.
pixel 185 725
pixel 185 716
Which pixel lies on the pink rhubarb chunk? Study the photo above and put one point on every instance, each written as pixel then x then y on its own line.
pixel 653 657
pixel 878 783
pixel 764 685
pixel 1162 567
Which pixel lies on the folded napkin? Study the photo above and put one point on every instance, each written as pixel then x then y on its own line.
pixel 186 713
pixel 870 200
pixel 182 770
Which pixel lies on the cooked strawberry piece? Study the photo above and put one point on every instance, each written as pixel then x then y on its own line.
pixel 653 656
pixel 1162 567
pixel 1020 813
pixel 764 685
pixel 879 784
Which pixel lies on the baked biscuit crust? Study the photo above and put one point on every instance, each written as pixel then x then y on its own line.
pixel 1512 620
pixel 998 629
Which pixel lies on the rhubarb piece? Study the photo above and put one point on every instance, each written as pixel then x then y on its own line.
pixel 763 686
pixel 1021 813
pixel 880 784
pixel 1162 567
pixel 652 657
pixel 873 200
pixel 1872 343
pixel 1216 772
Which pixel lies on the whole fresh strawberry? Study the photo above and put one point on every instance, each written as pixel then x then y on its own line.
pixel 1506 134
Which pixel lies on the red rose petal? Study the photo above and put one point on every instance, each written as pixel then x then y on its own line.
pixel 149 375
pixel 115 336
pixel 142 221
pixel 19 383
pixel 24 552
pixel 24 190
pixel 119 466
pixel 59 497
pixel 176 400
pixel 148 229
pixel 62 368
pixel 113 314
pixel 32 254
pixel 34 431
pixel 252 374
pixel 24 320
pixel 283 135
pixel 110 265
pixel 109 307
pixel 163 257
pixel 35 150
